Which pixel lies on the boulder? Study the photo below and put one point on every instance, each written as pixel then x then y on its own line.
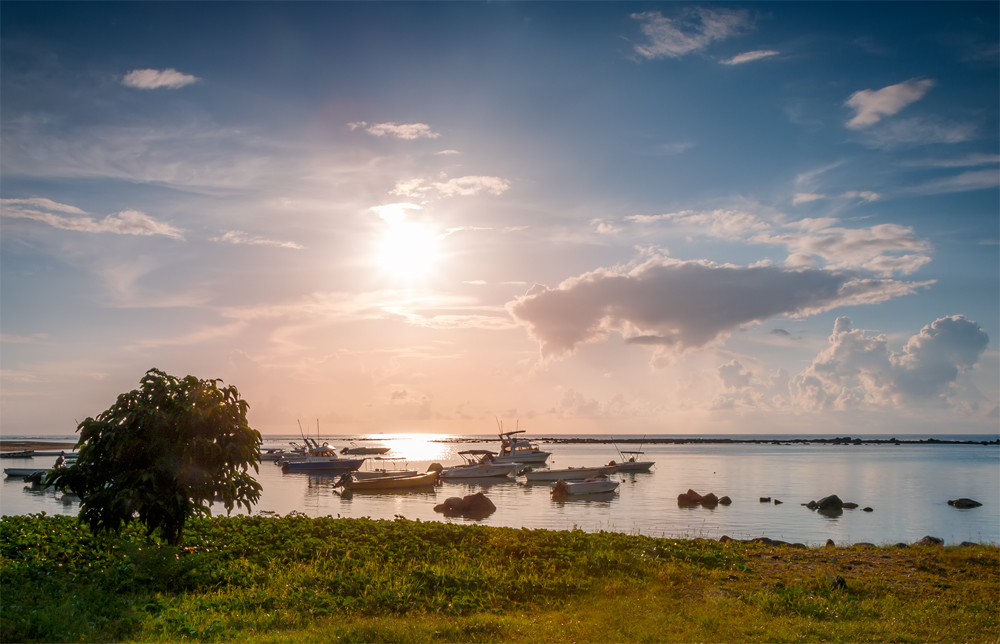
pixel 710 500
pixel 969 544
pixel 830 543
pixel 688 498
pixel 765 499
pixel 850 506
pixel 725 500
pixel 691 498
pixel 476 506
pixel 964 504
pixel 777 502
pixel 931 541
pixel 831 502
pixel 867 510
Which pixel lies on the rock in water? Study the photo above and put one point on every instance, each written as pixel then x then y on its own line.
pixel 831 502
pixel 964 504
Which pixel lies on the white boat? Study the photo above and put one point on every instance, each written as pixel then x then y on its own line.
pixel 513 450
pixel 593 485
pixel 321 458
pixel 385 471
pixel 479 463
pixel 24 472
pixel 570 473
pixel 358 449
pixel 633 464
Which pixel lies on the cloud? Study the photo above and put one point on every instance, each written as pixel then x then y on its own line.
pixel 409 188
pixel 917 131
pixel 864 195
pixel 780 332
pixel 858 371
pixel 45 204
pixel 971 180
pixel 676 305
pixel 394 213
pixel 126 222
pixel 472 185
pixel 969 160
pixel 806 197
pixel 693 30
pixel 407 131
pixel 448 152
pixel 750 56
pixel 870 106
pixel 155 79
pixel 606 228
pixel 240 237
pixel 719 223
pixel 733 376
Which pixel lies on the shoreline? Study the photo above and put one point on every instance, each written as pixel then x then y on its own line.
pixel 18 446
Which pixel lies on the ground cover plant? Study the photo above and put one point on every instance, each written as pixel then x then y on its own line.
pixel 297 579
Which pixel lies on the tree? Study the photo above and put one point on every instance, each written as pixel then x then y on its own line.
pixel 162 453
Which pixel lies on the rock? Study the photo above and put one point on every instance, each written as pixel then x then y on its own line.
pixel 964 504
pixel 710 500
pixel 837 582
pixel 474 506
pixel 901 545
pixel 689 498
pixel 864 544
pixel 931 541
pixel 725 500
pixel 867 510
pixel 831 502
pixel 437 467
pixel 850 506
pixel 692 498
pixel 765 499
pixel 725 539
pixel 812 505
pixel 777 502
pixel 969 544
pixel 830 543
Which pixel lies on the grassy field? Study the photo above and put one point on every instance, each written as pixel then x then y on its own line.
pixel 296 579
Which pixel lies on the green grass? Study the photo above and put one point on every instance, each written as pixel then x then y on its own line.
pixel 295 579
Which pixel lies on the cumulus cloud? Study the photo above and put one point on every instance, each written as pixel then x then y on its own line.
pixel 472 185
pixel 691 31
pixel 577 405
pixel 240 237
pixel 742 390
pixel 407 131
pixel 870 106
pixel 126 222
pixel 675 306
pixel 750 56
pixel 858 371
pixel 155 79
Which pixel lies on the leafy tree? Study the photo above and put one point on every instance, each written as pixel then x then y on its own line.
pixel 162 453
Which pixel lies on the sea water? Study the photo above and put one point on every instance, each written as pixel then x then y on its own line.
pixel 907 486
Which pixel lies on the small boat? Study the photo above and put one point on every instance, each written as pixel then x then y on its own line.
pixel 513 450
pixel 594 485
pixel 427 479
pixel 479 463
pixel 24 453
pixel 570 473
pixel 320 458
pixel 357 449
pixel 24 472
pixel 631 463
pixel 385 471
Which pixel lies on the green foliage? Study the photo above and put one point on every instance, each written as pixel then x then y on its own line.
pixel 162 454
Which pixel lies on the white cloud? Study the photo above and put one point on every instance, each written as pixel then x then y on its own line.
pixel 971 180
pixel 719 223
pixel 45 204
pixel 126 222
pixel 693 30
pixel 917 131
pixel 870 106
pixel 743 390
pixel 858 371
pixel 448 152
pixel 806 197
pixel 472 185
pixel 970 160
pixel 154 79
pixel 675 306
pixel 394 213
pixel 409 188
pixel 865 195
pixel 606 228
pixel 240 237
pixel 407 131
pixel 750 56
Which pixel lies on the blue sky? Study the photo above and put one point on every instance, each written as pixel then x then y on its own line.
pixel 592 217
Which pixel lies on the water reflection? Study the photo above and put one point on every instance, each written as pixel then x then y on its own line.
pixel 600 497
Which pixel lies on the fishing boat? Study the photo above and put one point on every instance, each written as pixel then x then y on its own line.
pixel 24 453
pixel 427 479
pixel 24 472
pixel 593 485
pixel 357 449
pixel 319 458
pixel 479 463
pixel 515 450
pixel 569 473
pixel 383 467
pixel 631 463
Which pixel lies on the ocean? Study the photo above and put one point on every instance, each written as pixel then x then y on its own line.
pixel 907 486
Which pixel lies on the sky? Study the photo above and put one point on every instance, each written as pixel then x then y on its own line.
pixel 585 218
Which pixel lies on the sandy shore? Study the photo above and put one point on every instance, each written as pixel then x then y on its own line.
pixel 17 446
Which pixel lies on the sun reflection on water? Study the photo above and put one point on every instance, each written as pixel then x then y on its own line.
pixel 417 447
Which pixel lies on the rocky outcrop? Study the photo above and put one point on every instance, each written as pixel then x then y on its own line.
pixel 474 506
pixel 691 498
pixel 964 504
pixel 931 541
pixel 767 541
pixel 765 499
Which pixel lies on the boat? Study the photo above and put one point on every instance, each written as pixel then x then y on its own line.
pixel 594 485
pixel 24 472
pixel 320 458
pixel 357 449
pixel 24 453
pixel 385 471
pixel 631 463
pixel 514 450
pixel 427 479
pixel 570 473
pixel 479 463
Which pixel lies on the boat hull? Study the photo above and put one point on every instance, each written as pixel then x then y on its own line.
pixel 479 471
pixel 635 466
pixel 569 474
pixel 590 486
pixel 334 465
pixel 22 472
pixel 427 479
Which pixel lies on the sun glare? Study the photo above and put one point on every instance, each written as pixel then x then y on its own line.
pixel 408 250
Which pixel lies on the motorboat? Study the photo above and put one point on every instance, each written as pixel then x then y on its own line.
pixel 24 472
pixel 357 449
pixel 516 450
pixel 593 485
pixel 479 463
pixel 427 479
pixel 631 463
pixel 376 472
pixel 24 453
pixel 570 473
pixel 320 458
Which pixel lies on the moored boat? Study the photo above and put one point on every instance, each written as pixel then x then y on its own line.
pixel 320 458
pixel 24 472
pixel 427 479
pixel 24 453
pixel 631 463
pixel 479 463
pixel 516 450
pixel 593 485
pixel 359 449
pixel 570 473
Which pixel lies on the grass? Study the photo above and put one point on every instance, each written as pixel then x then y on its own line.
pixel 295 579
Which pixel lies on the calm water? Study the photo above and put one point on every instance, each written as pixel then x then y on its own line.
pixel 908 486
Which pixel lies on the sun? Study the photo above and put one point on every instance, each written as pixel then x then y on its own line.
pixel 408 250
